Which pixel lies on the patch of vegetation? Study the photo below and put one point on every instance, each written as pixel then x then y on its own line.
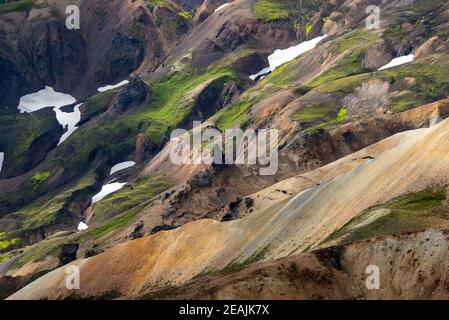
pixel 353 46
pixel 39 251
pixel 282 77
pixel 113 224
pixel 234 115
pixel 97 104
pixel 19 131
pixel 132 195
pixel 172 101
pixel 430 83
pixel 308 28
pixel 319 115
pixel 409 213
pixel 270 10
pixel 135 30
pixel 151 4
pixel 39 178
pixel 5 244
pixel 49 209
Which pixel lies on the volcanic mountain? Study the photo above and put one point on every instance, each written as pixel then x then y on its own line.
pixel 86 172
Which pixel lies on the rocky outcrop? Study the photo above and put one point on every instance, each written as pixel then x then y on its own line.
pixel 134 94
pixel 68 253
pixel 377 55
pixel 144 149
pixel 215 95
pixel 250 64
pixel 124 56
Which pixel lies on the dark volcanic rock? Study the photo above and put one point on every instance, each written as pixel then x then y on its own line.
pixel 206 53
pixel 377 55
pixel 138 231
pixel 250 64
pixel 249 202
pixel 94 251
pixel 68 253
pixel 231 214
pixel 202 179
pixel 132 95
pixel 164 227
pixel 145 148
pixel 124 56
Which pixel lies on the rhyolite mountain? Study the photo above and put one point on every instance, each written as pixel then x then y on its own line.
pixel 363 153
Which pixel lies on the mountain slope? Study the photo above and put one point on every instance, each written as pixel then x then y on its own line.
pixel 304 221
pixel 361 150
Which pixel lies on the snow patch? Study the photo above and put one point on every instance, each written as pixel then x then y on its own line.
pixel 69 120
pixel 82 226
pixel 398 61
pixel 48 97
pixel 122 166
pixel 107 189
pixel 43 99
pixel 2 158
pixel 262 73
pixel 113 86
pixel 222 7
pixel 280 57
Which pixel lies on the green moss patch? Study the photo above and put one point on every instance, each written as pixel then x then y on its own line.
pixel 431 83
pixel 409 213
pixel 113 224
pixel 234 115
pixel 19 131
pixel 132 195
pixel 270 10
pixel 319 115
pixel 353 46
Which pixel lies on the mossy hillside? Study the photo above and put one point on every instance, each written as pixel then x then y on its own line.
pixel 48 248
pixel 103 224
pixel 320 114
pixel 350 49
pixel 6 244
pixel 352 46
pixel 409 213
pixel 297 13
pixel 423 15
pixel 115 138
pixel 18 131
pixel 106 228
pixel 172 101
pixel 431 82
pixel 96 105
pixel 94 235
pixel 270 10
pixel 234 115
pixel 134 194
pixel 51 208
pixel 112 140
